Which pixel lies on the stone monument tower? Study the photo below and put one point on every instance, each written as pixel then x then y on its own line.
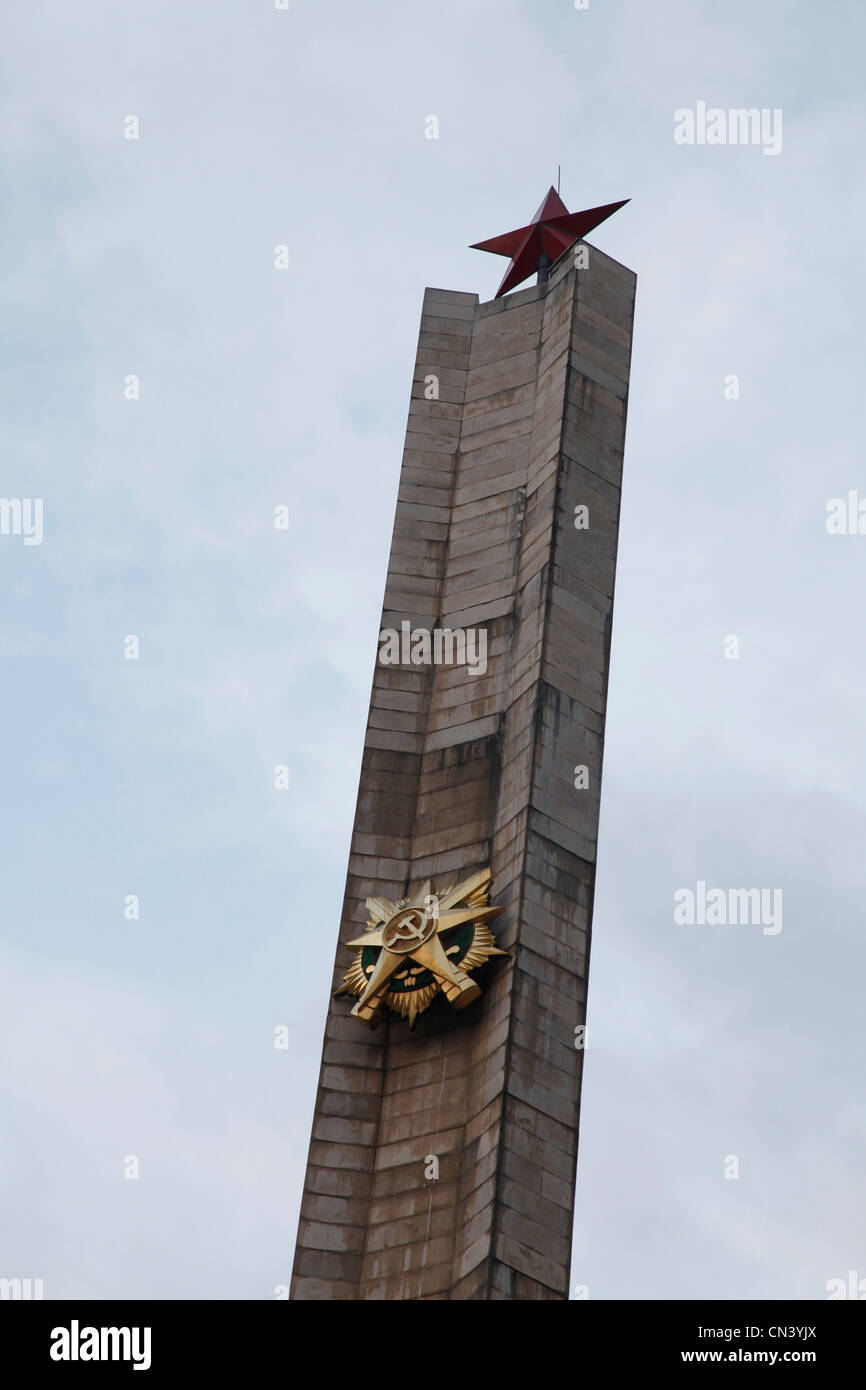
pixel 444 1140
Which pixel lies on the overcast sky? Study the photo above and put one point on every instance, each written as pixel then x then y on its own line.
pixel 153 1037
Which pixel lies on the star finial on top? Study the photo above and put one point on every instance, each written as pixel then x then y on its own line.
pixel 548 236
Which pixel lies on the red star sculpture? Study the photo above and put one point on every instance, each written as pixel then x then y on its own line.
pixel 548 236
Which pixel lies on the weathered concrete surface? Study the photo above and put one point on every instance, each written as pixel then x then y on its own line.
pixel 462 770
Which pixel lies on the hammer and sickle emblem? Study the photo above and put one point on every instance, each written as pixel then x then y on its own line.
pixel 410 930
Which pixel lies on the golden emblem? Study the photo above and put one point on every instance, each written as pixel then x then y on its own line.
pixel 402 959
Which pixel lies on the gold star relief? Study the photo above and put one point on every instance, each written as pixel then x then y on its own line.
pixel 411 965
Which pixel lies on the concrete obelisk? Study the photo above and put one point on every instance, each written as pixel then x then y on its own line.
pixel 442 1158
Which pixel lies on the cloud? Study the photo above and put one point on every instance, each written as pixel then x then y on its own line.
pixel 155 257
pixel 99 1072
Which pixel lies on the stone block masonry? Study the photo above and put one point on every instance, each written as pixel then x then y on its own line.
pixel 467 768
